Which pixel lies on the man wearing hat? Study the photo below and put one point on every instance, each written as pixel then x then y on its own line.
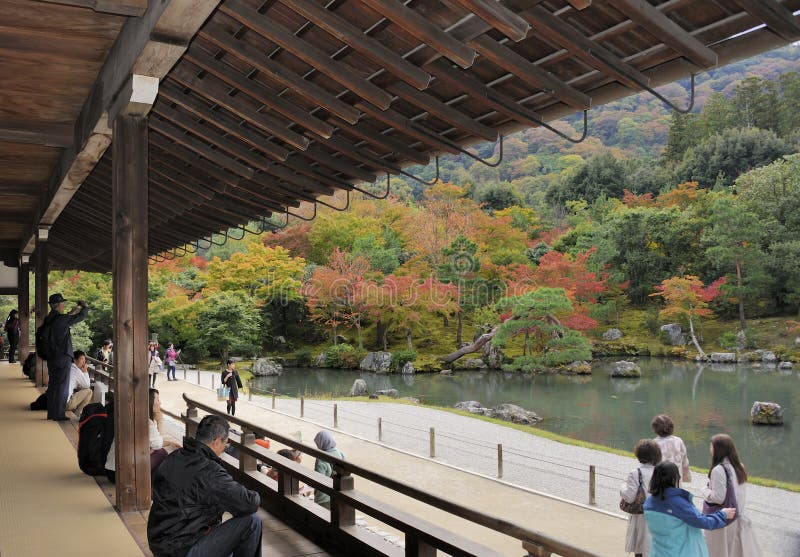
pixel 59 363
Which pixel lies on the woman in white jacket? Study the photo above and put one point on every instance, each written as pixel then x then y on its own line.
pixel 637 539
pixel 736 539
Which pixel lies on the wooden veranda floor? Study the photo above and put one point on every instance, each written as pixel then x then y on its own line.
pixel 49 507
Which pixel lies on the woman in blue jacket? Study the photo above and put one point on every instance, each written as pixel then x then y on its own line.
pixel 674 521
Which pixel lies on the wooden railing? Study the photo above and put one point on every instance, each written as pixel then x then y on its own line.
pixel 422 538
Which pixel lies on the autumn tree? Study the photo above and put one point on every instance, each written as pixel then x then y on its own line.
pixel 686 298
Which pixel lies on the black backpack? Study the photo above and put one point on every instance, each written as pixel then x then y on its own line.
pixel 29 366
pixel 45 343
pixel 95 433
pixel 40 403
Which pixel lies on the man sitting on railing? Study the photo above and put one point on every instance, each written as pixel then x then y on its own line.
pixel 191 490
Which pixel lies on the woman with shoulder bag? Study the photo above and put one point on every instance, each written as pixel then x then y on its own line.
pixel 634 493
pixel 231 380
pixel 727 487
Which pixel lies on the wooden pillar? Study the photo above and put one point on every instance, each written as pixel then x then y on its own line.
pixel 131 382
pixel 40 294
pixel 24 306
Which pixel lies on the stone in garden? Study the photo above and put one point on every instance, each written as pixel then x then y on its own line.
pixel 411 399
pixel 472 406
pixel 766 413
pixel 473 363
pixel 741 340
pixel 320 360
pixel 391 393
pixel 407 369
pixel 578 368
pixel 379 362
pixel 797 341
pixel 612 334
pixel 625 369
pixel 723 357
pixel 446 372
pixel 674 334
pixel 785 365
pixel 341 339
pixel 265 367
pixel 493 355
pixel 373 397
pixel 516 414
pixel 359 388
pixel 768 357
pixel 279 341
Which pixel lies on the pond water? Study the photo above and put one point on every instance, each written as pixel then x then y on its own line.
pixel 703 399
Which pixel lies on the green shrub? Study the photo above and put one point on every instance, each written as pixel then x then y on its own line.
pixel 727 340
pixel 651 322
pixel 304 357
pixel 400 358
pixel 344 356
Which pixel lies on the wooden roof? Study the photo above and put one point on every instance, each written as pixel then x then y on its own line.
pixel 273 103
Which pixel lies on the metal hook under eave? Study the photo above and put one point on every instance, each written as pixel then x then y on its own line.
pixel 372 195
pixel 420 180
pixel 274 226
pixel 238 227
pixel 307 219
pixel 196 244
pixel 340 209
pixel 223 242
pixel 670 104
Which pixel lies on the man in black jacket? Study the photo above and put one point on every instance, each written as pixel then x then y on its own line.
pixel 60 362
pixel 191 490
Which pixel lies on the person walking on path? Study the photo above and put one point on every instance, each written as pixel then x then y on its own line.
pixel 728 473
pixel 191 491
pixel 80 388
pixel 154 362
pixel 637 538
pixel 672 447
pixel 325 441
pixel 60 361
pixel 231 379
pixel 674 521
pixel 169 360
pixel 12 334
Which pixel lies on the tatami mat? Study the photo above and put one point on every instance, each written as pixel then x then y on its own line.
pixel 47 505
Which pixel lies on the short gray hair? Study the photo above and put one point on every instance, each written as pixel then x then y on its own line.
pixel 212 427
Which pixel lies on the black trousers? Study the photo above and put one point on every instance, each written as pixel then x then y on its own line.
pixel 57 387
pixel 12 349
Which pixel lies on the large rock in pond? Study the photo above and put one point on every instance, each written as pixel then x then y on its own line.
pixel 407 369
pixel 320 360
pixel 785 365
pixel 359 388
pixel 516 414
pixel 391 393
pixel 472 406
pixel 612 334
pixel 673 334
pixel 266 367
pixel 769 357
pixel 379 362
pixel 493 355
pixel 766 413
pixel 723 357
pixel 626 370
pixel 578 368
pixel 471 363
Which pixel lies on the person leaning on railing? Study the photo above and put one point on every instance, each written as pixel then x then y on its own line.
pixel 325 441
pixel 191 491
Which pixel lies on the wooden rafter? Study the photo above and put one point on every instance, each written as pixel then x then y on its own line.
pixel 777 18
pixel 498 16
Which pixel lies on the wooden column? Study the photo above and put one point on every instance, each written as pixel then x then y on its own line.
pixel 40 294
pixel 24 307
pixel 131 382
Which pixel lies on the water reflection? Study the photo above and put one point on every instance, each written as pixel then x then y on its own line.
pixel 703 400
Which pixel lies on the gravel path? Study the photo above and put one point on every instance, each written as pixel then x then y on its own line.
pixel 530 461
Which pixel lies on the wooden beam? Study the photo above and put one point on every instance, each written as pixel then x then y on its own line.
pixel 778 19
pixel 147 45
pixel 355 38
pixel 559 32
pixel 129 275
pixel 257 91
pixel 172 149
pixel 475 88
pixel 40 281
pixel 390 143
pixel 420 28
pixel 231 125
pixel 580 4
pixel 131 8
pixel 407 127
pixel 442 111
pixel 334 69
pixel 498 16
pixel 277 72
pixel 529 72
pixel 190 142
pixel 49 135
pixel 667 31
pixel 24 307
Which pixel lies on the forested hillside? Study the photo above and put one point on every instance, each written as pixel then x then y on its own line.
pixel 655 218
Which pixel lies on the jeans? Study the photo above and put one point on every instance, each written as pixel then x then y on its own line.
pixel 240 537
pixel 171 369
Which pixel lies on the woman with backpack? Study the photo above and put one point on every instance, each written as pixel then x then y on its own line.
pixel 634 493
